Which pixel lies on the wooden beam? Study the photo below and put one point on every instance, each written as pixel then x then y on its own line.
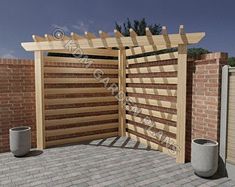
pixel 181 29
pixel 103 34
pixel 68 70
pixel 89 35
pixel 181 103
pixel 39 90
pixel 98 52
pixel 80 139
pixel 80 110
pixel 80 60
pixel 122 92
pixel 164 30
pixel 154 69
pixel 153 102
pixel 49 37
pixel 75 36
pixel 152 91
pixel 153 58
pixel 65 101
pixel 78 80
pixel 158 40
pixel 89 128
pixel 132 33
pixel 146 132
pixel 84 119
pixel 154 80
pixel 154 124
pixel 148 32
pixel 155 113
pixel 38 38
pixel 117 34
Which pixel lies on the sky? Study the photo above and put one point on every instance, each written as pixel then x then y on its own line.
pixel 19 20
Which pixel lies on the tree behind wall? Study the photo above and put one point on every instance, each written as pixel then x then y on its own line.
pixel 231 61
pixel 138 26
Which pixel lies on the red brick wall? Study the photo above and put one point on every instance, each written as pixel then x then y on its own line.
pixel 203 98
pixel 17 100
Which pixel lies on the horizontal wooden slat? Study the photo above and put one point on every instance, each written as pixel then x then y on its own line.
pixel 77 80
pixel 80 110
pixel 153 58
pixel 67 70
pixel 64 101
pixel 155 69
pixel 150 144
pixel 153 91
pixel 80 60
pixel 97 52
pixel 80 139
pixel 155 124
pixel 144 49
pixel 66 121
pixel 76 90
pixel 157 114
pixel 58 132
pixel 171 80
pixel 148 133
pixel 153 102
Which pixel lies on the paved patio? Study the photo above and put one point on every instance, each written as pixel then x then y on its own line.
pixel 107 162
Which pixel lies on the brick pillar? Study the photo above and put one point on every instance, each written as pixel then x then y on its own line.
pixel 203 98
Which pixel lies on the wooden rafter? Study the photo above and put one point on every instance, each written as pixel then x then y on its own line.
pixel 75 36
pixel 49 37
pixel 117 34
pixel 89 35
pixel 103 36
pixel 38 38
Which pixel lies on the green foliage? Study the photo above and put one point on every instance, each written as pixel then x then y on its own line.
pixel 231 61
pixel 197 52
pixel 138 26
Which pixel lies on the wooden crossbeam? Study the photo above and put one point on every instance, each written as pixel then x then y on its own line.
pixel 89 35
pixel 132 33
pixel 118 41
pixel 148 32
pixel 75 36
pixel 164 30
pixel 38 38
pixel 117 34
pixel 49 37
pixel 103 34
pixel 181 29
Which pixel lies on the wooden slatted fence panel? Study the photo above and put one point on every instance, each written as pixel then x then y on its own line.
pixel 151 112
pixel 78 106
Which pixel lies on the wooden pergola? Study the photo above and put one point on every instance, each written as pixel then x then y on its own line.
pixel 121 47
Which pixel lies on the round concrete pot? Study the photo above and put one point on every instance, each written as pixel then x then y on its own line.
pixel 20 140
pixel 204 157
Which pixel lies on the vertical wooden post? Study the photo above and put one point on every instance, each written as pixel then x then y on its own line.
pixel 39 92
pixel 122 91
pixel 181 103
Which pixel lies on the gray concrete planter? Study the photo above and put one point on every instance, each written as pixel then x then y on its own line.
pixel 204 157
pixel 20 140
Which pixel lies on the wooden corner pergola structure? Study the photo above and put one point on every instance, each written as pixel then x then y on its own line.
pixel 71 106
